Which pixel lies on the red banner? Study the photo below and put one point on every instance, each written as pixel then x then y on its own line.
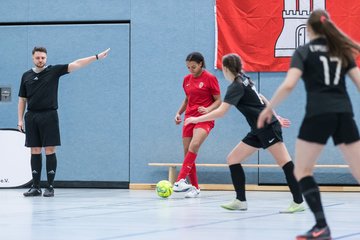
pixel 265 33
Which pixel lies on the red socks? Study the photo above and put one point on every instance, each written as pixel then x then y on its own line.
pixel 193 176
pixel 187 167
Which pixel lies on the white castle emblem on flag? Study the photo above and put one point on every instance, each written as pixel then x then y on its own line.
pixel 293 33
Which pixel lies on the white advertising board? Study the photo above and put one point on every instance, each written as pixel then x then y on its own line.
pixel 15 169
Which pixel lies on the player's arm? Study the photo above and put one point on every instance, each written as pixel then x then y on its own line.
pixel 217 113
pixel 354 74
pixel 266 102
pixel 214 105
pixel 82 62
pixel 180 111
pixel 291 79
pixel 21 110
pixel 284 122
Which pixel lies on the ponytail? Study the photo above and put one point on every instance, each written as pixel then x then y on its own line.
pixel 339 44
pixel 233 62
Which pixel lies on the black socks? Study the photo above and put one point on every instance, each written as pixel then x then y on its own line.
pixel 311 194
pixel 288 169
pixel 238 179
pixel 51 163
pixel 36 164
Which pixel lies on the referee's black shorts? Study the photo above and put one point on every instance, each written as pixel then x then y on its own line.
pixel 340 126
pixel 42 128
pixel 267 137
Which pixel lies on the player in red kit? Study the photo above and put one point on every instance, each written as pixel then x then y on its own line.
pixel 242 94
pixel 202 96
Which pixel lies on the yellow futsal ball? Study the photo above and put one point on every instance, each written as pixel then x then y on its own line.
pixel 164 189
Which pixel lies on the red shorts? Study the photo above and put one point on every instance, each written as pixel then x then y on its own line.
pixel 189 129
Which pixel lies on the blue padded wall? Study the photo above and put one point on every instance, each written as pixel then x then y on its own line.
pixel 117 115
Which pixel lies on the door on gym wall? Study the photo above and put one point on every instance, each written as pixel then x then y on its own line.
pixel 93 101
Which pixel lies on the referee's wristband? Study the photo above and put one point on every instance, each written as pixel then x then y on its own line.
pixel 97 57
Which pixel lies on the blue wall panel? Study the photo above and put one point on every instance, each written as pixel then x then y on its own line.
pixel 93 102
pixel 63 10
pixel 14 61
pixel 159 49
pixel 139 85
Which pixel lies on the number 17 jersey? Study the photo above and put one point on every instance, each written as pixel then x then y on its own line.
pixel 324 78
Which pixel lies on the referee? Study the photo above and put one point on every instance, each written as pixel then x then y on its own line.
pixel 38 92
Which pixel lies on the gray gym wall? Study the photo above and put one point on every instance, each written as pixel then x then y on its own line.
pixel 117 115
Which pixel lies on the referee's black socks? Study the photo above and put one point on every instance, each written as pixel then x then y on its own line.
pixel 36 164
pixel 51 164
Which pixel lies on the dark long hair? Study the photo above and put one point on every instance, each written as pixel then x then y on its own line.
pixel 233 62
pixel 339 44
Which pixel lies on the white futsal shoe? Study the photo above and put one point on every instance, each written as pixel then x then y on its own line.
pixel 294 207
pixel 192 193
pixel 181 186
pixel 236 204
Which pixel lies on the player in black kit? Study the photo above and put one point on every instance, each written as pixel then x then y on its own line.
pixel 243 95
pixel 39 91
pixel 322 64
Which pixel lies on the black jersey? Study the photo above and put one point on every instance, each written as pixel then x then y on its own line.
pixel 41 89
pixel 324 78
pixel 243 95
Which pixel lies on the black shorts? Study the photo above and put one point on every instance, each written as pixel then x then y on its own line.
pixel 340 126
pixel 265 138
pixel 42 129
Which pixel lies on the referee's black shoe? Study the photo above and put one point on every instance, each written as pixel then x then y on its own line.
pixel 49 192
pixel 33 192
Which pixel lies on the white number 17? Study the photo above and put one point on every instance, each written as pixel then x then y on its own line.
pixel 325 62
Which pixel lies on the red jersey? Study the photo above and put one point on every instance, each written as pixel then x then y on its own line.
pixel 199 92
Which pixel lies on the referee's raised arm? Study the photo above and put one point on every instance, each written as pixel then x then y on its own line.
pixel 82 62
